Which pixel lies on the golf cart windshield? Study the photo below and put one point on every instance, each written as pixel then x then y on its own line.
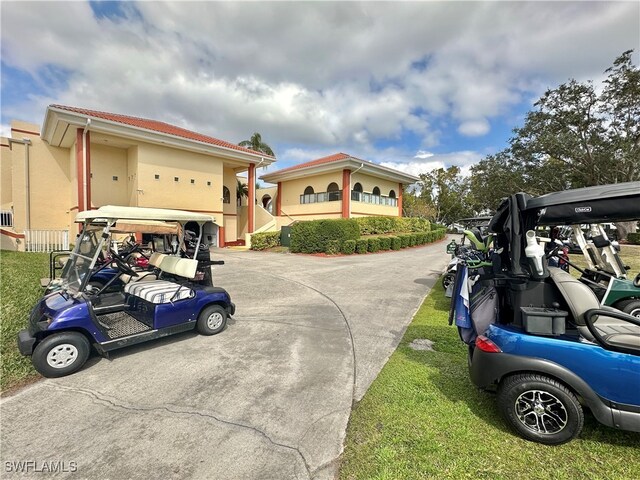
pixel 83 258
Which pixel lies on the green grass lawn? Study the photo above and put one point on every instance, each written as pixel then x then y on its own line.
pixel 630 255
pixel 20 275
pixel 423 418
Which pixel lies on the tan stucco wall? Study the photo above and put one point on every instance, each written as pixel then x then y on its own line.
pixel 48 181
pixel 292 189
pixel 106 163
pixel 361 209
pixel 166 192
pixel 6 197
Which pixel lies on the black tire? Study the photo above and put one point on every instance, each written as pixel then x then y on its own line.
pixel 61 354
pixel 212 320
pixel 448 279
pixel 540 409
pixel 630 306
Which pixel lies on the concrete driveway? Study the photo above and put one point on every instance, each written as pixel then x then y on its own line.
pixel 268 398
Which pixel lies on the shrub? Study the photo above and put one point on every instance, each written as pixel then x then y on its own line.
pixel 313 236
pixel 349 247
pixel 385 243
pixel 264 240
pixel 374 244
pixel 333 247
pixel 634 238
pixel 362 244
pixel 384 225
pixel 405 240
pixel 396 243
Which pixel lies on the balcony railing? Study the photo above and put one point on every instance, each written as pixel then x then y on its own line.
pixel 321 197
pixel 373 199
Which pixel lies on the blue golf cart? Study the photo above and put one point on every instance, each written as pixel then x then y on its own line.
pixel 175 294
pixel 540 338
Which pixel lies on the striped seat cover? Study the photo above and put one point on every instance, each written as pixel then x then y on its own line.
pixel 158 291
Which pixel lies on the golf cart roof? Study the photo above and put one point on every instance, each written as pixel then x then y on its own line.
pixel 602 203
pixel 114 212
pixel 481 220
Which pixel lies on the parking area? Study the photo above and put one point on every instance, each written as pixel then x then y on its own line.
pixel 269 397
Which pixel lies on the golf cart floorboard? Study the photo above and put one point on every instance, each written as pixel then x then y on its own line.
pixel 121 324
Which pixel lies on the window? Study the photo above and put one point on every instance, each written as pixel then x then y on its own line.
pixel 157 177
pixel 6 218
pixel 333 192
pixel 193 181
pixel 376 191
pixel 226 195
pixel 392 194
pixel 308 190
pixel 356 193
pixel 357 187
pixel 115 178
pixel 176 179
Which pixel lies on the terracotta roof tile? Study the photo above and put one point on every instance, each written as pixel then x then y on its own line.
pixel 336 157
pixel 157 126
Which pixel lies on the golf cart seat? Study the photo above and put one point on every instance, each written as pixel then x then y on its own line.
pixel 608 325
pixel 165 291
pixel 155 260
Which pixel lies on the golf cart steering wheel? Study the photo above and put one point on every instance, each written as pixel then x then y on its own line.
pixel 636 281
pixel 122 264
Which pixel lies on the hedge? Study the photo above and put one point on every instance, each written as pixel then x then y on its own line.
pixel 264 240
pixel 405 240
pixel 396 243
pixel 362 244
pixel 634 238
pixel 373 244
pixel 385 243
pixel 313 236
pixel 384 225
pixel 333 247
pixel 349 247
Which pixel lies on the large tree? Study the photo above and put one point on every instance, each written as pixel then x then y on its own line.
pixel 575 136
pixel 255 143
pixel 446 192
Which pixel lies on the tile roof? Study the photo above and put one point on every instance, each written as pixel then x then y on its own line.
pixel 157 126
pixel 336 157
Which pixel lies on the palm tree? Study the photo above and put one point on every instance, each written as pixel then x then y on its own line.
pixel 256 143
pixel 242 190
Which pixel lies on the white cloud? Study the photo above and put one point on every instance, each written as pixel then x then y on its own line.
pixel 326 76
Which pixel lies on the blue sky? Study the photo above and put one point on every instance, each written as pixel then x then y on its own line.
pixel 414 86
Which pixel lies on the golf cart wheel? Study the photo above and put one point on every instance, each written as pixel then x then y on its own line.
pixel 540 409
pixel 448 279
pixel 212 320
pixel 631 306
pixel 61 354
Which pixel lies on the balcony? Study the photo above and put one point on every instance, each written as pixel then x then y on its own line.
pixel 373 199
pixel 321 197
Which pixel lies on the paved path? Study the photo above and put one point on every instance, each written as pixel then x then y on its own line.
pixel 268 398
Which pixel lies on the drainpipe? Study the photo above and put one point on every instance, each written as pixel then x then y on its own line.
pixel 351 178
pixel 86 175
pixel 26 142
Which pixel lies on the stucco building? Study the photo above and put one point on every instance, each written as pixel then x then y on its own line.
pixel 82 159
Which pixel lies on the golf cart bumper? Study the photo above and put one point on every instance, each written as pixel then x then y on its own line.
pixel 25 342
pixel 231 309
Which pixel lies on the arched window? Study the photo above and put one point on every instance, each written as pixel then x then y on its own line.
pixel 226 195
pixel 333 192
pixel 376 191
pixel 308 196
pixel 357 187
pixel 392 194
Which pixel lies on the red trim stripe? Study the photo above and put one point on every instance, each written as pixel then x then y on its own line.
pixel 11 234
pixel 24 131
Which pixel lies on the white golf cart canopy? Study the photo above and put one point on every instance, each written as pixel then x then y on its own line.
pixel 114 212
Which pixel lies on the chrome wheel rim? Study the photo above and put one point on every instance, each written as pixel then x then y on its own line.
pixel 62 355
pixel 541 412
pixel 215 320
pixel 635 312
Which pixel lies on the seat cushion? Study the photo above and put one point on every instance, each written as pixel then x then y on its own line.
pixel 158 291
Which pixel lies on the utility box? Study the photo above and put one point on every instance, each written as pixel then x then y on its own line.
pixel 543 321
pixel 285 236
